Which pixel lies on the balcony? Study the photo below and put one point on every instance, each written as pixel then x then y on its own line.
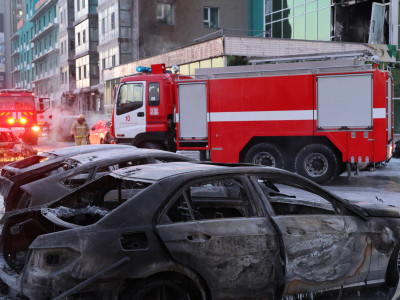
pixel 40 10
pixel 14 36
pixel 44 54
pixel 15 53
pixel 46 76
pixel 44 31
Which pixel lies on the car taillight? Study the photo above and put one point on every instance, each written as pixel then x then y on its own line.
pixel 23 120
pixel 10 121
pixel 35 128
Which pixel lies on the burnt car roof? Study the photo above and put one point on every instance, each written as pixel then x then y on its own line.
pixel 32 163
pixel 75 150
pixel 159 172
pixel 98 156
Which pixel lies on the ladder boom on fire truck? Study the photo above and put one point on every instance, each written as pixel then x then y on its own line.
pixel 309 117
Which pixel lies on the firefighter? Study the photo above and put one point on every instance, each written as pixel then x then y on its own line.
pixel 80 130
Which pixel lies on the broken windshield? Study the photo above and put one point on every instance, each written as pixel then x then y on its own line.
pixel 92 202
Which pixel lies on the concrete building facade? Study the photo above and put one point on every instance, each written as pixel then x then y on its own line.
pixel 66 38
pixel 86 56
pixel 131 30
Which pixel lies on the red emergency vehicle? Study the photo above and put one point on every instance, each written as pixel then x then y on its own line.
pixel 312 117
pixel 17 112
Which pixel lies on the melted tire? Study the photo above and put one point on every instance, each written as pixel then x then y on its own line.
pixel 318 163
pixel 164 289
pixel 265 154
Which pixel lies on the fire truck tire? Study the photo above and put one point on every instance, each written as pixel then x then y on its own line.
pixel 265 154
pixel 150 145
pixel 318 163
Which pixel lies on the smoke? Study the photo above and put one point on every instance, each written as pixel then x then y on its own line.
pixel 62 119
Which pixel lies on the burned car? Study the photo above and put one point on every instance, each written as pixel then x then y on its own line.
pixel 12 148
pixel 189 230
pixel 35 167
pixel 74 171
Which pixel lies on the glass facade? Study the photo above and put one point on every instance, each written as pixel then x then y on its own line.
pixel 298 19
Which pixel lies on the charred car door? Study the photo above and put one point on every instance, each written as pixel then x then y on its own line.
pixel 325 247
pixel 215 228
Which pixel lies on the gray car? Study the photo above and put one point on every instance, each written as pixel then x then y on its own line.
pixel 198 231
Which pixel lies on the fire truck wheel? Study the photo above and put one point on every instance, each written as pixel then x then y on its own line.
pixel 150 145
pixel 265 154
pixel 318 163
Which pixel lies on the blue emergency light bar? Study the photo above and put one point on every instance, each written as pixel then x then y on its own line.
pixel 143 70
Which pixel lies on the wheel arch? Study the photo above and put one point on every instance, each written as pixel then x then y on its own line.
pixel 168 272
pixel 157 137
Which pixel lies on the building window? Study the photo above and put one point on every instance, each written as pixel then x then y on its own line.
pixel 104 63
pixel 78 5
pixel 164 13
pixel 103 26
pixel 84 71
pixel 79 73
pixel 84 36
pixel 308 20
pixel 210 17
pixel 113 61
pixel 113 21
pixel 79 38
pixel 83 3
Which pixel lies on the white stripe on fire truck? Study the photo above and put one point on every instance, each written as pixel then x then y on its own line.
pixel 379 113
pixel 280 115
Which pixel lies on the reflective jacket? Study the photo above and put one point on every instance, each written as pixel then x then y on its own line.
pixel 80 130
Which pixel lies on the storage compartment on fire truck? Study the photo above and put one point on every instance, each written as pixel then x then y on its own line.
pixel 192 117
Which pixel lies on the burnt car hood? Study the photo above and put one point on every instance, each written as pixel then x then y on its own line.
pixel 378 210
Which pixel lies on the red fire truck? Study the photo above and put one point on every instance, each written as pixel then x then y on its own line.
pixel 314 118
pixel 17 112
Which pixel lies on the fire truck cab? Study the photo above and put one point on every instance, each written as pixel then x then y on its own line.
pixel 18 112
pixel 314 118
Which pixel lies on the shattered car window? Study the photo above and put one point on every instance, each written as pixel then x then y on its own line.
pixel 103 170
pixel 77 180
pixel 88 205
pixel 211 199
pixel 292 200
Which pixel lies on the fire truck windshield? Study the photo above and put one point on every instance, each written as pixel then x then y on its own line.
pixel 16 103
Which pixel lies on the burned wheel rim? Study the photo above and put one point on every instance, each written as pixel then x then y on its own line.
pixel 264 158
pixel 316 164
